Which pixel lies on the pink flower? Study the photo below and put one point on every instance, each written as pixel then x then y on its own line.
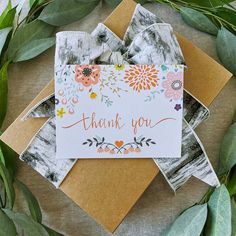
pixel 87 74
pixel 100 150
pixel 173 85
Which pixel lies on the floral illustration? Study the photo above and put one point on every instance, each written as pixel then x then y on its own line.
pixel 141 77
pixel 173 85
pixel 87 74
pixel 119 66
pixel 93 95
pixel 119 146
pixel 177 107
pixel 61 112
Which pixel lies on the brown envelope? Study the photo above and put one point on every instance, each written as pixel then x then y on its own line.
pixel 107 189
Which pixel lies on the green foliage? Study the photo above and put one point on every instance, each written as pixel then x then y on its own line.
pixel 198 20
pixel 219 220
pixel 231 186
pixel 190 222
pixel 62 12
pixel 32 202
pixel 26 224
pixel 7 226
pixel 228 150
pixel 233 211
pixel 226 49
pixel 7 16
pixel 26 34
pixel 8 184
pixel 33 49
pixel 3 37
pixel 3 92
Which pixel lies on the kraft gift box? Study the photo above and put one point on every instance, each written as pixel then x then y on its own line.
pixel 106 188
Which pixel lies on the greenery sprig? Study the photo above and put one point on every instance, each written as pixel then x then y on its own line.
pixel 34 34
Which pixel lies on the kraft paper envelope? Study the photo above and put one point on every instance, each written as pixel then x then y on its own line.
pixel 105 188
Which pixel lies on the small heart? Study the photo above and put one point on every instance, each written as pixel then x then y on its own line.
pixel 119 143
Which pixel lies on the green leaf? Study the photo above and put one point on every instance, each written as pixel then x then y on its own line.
pixel 233 210
pixel 209 3
pixel 6 10
pixel 189 223
pixel 33 49
pixel 7 226
pixel 52 232
pixel 198 20
pixel 27 33
pixel 62 12
pixel 227 14
pixel 7 21
pixel 228 150
pixel 7 180
pixel 32 202
pixel 231 186
pixel 226 49
pixel 10 158
pixel 26 223
pixel 219 220
pixel 34 3
pixel 112 3
pixel 2 159
pixel 3 37
pixel 3 92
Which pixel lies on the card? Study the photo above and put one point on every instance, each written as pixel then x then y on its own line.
pixel 118 111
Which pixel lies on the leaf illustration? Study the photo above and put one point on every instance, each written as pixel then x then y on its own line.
pixel 62 12
pixel 7 17
pixel 219 220
pixel 226 49
pixel 198 20
pixel 33 49
pixel 189 223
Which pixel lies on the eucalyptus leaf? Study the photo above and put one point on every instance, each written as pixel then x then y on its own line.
pixel 3 37
pixel 233 210
pixel 231 186
pixel 10 192
pixel 33 49
pixel 189 223
pixel 226 49
pixel 209 3
pixel 62 12
pixel 26 34
pixel 26 223
pixel 228 150
pixel 7 21
pixel 3 92
pixel 52 232
pixel 32 202
pixel 219 220
pixel 198 20
pixel 7 226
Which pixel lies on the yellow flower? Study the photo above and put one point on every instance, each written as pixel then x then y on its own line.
pixel 61 112
pixel 119 66
pixel 93 95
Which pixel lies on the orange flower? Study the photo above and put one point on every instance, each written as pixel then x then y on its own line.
pixel 141 77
